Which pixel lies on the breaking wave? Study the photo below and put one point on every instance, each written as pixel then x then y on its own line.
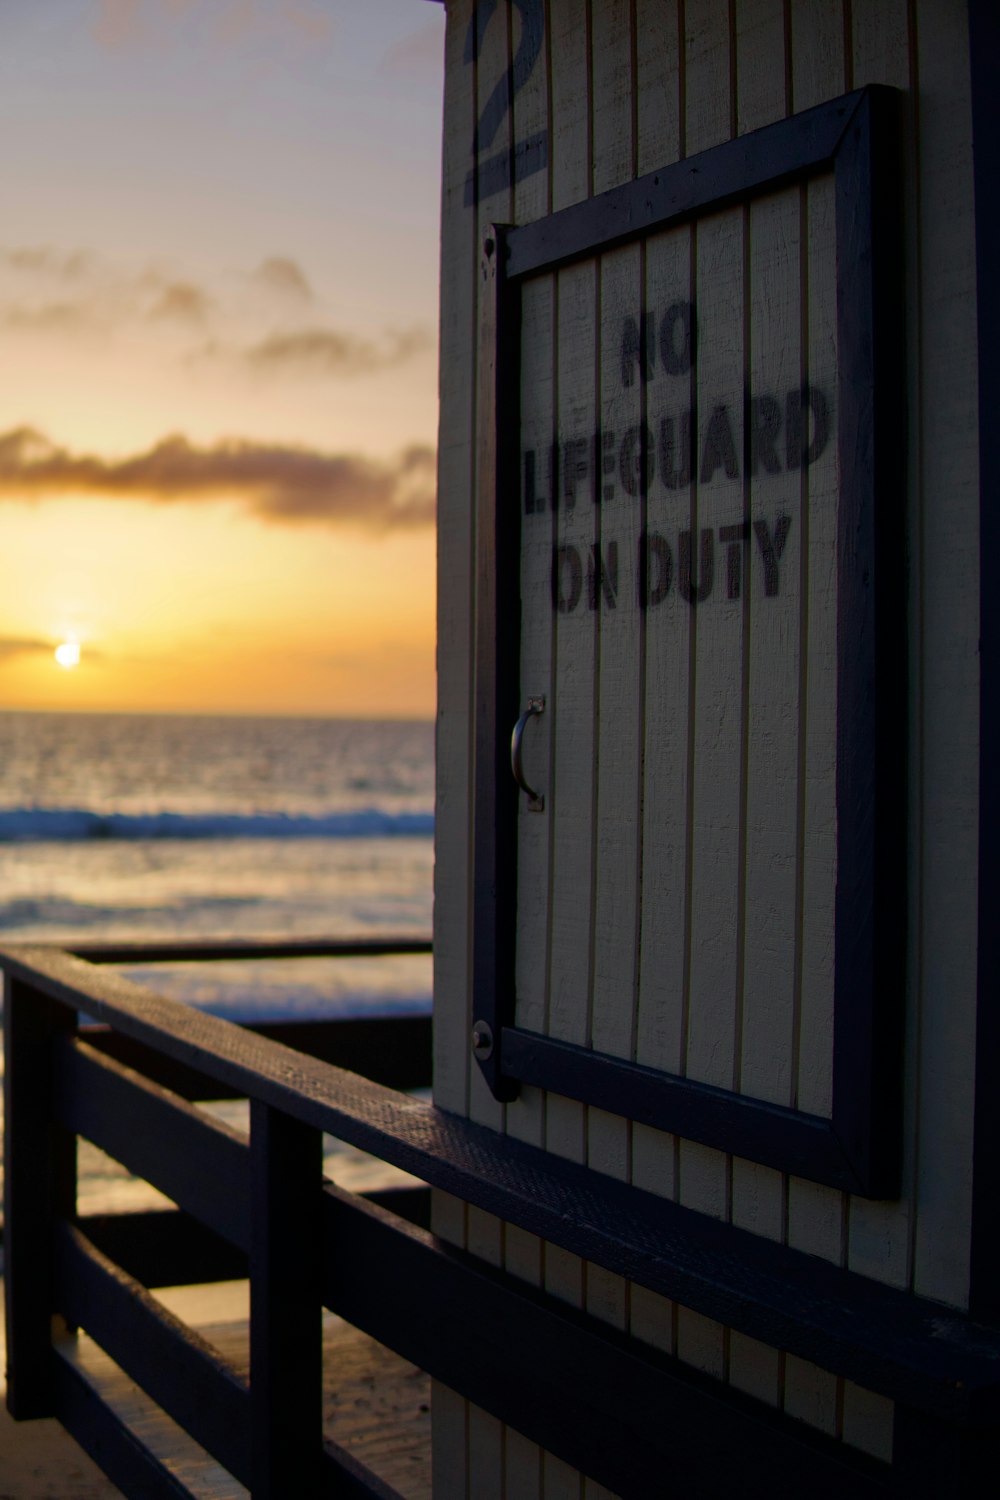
pixel 73 825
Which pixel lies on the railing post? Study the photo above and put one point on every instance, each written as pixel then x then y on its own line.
pixel 40 1189
pixel 286 1348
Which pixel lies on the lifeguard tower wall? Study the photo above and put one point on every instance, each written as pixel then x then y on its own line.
pixel 712 539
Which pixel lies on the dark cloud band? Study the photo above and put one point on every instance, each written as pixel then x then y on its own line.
pixel 276 482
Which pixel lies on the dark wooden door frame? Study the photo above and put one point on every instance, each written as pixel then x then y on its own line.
pixel 984 55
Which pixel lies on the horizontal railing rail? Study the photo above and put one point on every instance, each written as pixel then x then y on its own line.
pixel 91 1054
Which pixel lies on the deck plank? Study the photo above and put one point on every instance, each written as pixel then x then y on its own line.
pixel 375 1405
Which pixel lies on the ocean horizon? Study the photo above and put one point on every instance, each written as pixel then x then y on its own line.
pixel 132 827
pixel 159 826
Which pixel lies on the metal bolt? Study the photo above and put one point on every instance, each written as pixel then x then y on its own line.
pixel 482 1040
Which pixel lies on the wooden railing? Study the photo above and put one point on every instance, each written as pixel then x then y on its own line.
pixel 95 1056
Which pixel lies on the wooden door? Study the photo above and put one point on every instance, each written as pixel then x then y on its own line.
pixel 693 460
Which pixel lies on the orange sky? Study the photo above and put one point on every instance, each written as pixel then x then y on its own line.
pixel 218 284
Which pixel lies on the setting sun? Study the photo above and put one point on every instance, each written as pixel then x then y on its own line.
pixel 67 654
pixel 217 453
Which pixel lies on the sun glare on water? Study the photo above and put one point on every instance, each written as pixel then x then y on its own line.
pixel 67 654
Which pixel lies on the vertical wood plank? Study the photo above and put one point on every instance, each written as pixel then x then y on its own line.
pixel 531 124
pixel 950 679
pixel 817 1225
pixel 755 1368
pixel 702 1343
pixel 522 1460
pixel 810 1395
pixel 660 982
pixel 594 1491
pixel 620 644
pixel 717 790
pixel 538 437
pixel 569 152
pixel 820 490
pixel 817 50
pixel 40 1189
pixel 880 1234
pixel 761 53
pixel 486 1434
pixel 452 864
pixel 816 1215
pixel 573 769
pixel 710 107
pixel 523 1463
pixel 537 517
pixel 867 1421
pixel 703 1179
pixel 663 949
pixel 880 43
pixel 816 1219
pixel 449 1411
pixel 716 254
pixel 449 1444
pixel 526 1114
pixel 494 205
pixel 620 485
pixel 704 117
pixel 765 1014
pixel 702 1184
pixel 659 50
pixel 538 495
pixel 653 1318
pixel 773 604
pixel 286 1336
pixel 758 1199
pixel 559 1480
pixel 448 1217
pixel 613 135
pixel 573 681
pixel 456 612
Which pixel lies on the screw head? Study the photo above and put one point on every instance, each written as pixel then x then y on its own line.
pixel 482 1040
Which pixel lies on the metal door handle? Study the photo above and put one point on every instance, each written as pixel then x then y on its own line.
pixel 536 800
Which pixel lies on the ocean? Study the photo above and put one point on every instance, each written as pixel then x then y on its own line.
pixel 134 826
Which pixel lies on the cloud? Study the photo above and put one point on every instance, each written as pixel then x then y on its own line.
pixel 51 317
pixel 181 302
pixel 275 482
pixel 279 273
pixel 16 645
pixel 332 352
pixel 68 264
pixel 46 290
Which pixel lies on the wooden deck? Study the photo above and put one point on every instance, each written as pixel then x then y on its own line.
pixel 375 1405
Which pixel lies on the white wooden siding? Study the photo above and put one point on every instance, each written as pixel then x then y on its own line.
pixel 696 932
